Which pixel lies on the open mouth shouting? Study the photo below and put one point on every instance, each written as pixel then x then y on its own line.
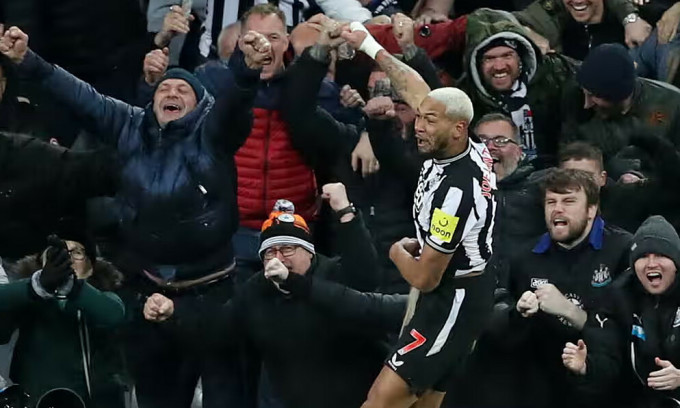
pixel 172 108
pixel 421 142
pixel 655 279
pixel 560 222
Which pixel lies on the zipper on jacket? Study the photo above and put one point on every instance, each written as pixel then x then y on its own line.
pixel 85 349
pixel 160 137
pixel 266 162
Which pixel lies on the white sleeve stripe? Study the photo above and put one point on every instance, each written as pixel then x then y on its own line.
pixel 443 335
pixel 438 247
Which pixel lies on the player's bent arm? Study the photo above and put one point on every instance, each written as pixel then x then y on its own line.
pixel 407 82
pixel 423 273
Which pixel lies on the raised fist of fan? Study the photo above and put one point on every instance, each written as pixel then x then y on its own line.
pixel 13 44
pixel 155 64
pixel 256 49
pixel 336 195
pixel 402 29
pixel 380 107
pixel 330 30
pixel 350 98
pixel 527 305
pixel 175 22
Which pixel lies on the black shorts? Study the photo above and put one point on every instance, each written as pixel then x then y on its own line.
pixel 442 333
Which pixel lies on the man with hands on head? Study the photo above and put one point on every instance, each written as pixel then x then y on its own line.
pixel 629 352
pixel 297 341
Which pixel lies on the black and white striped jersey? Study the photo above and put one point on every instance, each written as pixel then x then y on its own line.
pixel 454 207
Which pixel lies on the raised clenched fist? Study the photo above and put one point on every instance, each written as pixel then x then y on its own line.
pixel 175 22
pixel 256 49
pixel 402 28
pixel 155 64
pixel 336 195
pixel 13 44
pixel 527 305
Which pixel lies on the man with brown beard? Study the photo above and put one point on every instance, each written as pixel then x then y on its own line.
pixel 553 284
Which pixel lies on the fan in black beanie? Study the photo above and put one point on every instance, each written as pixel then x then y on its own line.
pixel 655 254
pixel 608 76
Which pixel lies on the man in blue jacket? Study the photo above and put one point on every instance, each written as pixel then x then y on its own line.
pixel 176 208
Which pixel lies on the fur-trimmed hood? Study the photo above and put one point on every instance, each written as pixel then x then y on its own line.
pixel 484 26
pixel 105 276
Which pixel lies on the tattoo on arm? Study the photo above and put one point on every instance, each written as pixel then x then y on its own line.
pixel 405 79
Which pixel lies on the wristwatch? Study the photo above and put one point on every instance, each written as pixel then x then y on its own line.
pixel 347 210
pixel 630 18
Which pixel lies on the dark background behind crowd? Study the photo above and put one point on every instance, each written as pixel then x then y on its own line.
pixel 584 86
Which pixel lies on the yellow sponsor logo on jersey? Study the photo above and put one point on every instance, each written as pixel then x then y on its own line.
pixel 443 225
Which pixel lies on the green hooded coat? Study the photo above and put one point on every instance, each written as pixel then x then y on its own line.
pixel 59 338
pixel 545 77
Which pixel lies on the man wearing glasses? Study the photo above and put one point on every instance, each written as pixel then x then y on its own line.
pixel 297 341
pixel 519 211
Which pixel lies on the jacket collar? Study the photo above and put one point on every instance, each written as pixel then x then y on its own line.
pixel 595 238
pixel 523 171
pixel 181 127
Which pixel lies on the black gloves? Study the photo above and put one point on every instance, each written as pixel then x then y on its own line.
pixel 58 267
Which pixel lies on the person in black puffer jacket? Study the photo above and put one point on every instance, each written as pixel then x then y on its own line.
pixel 631 347
pixel 17 113
pixel 42 185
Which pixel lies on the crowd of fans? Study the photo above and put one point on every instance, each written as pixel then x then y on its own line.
pixel 339 203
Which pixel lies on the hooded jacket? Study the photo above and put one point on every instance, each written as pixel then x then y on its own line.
pixel 66 343
pixel 634 327
pixel 177 197
pixel 544 77
pixel 623 339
